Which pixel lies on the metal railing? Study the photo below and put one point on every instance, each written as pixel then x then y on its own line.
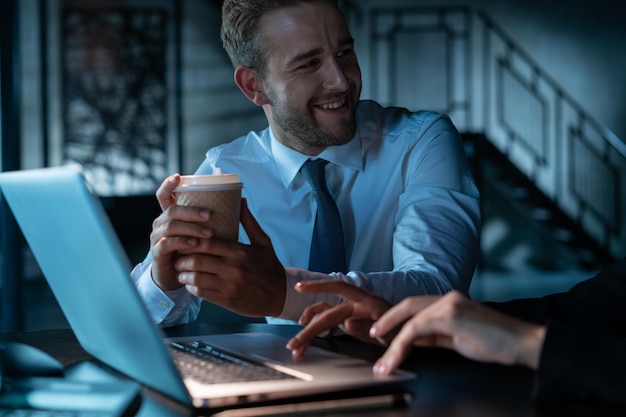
pixel 461 63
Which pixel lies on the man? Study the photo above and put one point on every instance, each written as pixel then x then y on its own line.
pixel 407 202
pixel 575 341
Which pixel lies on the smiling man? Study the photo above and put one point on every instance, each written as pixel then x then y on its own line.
pixel 408 206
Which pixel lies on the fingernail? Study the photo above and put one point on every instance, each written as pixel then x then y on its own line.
pixel 207 232
pixel 192 289
pixel 373 331
pixel 192 242
pixel 204 214
pixel 380 367
pixel 298 285
pixel 292 343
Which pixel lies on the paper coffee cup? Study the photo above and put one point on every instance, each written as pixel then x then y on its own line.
pixel 220 193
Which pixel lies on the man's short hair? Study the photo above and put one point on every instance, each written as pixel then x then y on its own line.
pixel 240 29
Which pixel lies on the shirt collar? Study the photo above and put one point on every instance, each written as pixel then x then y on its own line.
pixel 289 161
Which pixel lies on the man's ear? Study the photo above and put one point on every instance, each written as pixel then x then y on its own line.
pixel 251 84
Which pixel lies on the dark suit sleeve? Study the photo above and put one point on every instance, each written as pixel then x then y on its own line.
pixel 579 363
pixel 598 303
pixel 584 352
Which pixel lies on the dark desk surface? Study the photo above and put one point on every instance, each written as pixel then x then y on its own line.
pixel 447 384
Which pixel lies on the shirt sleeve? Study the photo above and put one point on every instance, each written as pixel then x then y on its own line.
pixel 584 353
pixel 167 308
pixel 437 223
pixel 295 301
pixel 581 363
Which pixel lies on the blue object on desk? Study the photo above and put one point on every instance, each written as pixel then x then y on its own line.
pixel 30 379
pixel 22 360
pixel 56 395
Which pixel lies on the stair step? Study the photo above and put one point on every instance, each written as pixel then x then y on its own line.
pixel 526 204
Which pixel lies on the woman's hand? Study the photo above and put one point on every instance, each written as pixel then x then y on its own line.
pixel 455 322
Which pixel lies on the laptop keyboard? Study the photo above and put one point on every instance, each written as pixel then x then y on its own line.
pixel 210 365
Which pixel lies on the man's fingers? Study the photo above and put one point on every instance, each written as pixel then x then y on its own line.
pixel 251 226
pixel 326 320
pixel 187 226
pixel 358 328
pixel 311 311
pixel 333 286
pixel 164 193
pixel 174 244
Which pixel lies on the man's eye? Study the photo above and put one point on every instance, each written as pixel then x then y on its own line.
pixel 345 52
pixel 308 64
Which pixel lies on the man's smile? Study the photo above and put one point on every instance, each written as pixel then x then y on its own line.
pixel 333 105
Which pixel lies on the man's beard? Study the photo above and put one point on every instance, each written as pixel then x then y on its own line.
pixel 301 126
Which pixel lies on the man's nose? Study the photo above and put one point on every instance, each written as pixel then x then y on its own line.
pixel 334 76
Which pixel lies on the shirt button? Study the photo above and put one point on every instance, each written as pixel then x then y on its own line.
pixel 164 304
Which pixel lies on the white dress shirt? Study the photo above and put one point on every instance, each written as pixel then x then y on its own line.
pixel 408 203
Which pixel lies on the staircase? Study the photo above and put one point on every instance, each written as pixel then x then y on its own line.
pixel 533 222
pixel 553 180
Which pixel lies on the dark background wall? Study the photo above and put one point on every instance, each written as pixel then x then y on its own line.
pixel 582 44
pixel 578 43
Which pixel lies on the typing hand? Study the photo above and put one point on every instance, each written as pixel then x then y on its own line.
pixel 177 229
pixel 247 279
pixel 355 316
pixel 453 321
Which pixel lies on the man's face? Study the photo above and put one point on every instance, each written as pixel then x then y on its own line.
pixel 312 78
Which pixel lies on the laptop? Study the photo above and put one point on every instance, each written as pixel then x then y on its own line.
pixel 87 269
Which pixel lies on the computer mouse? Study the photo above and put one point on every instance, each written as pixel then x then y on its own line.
pixel 22 360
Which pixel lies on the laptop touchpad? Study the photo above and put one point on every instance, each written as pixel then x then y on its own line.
pixel 284 356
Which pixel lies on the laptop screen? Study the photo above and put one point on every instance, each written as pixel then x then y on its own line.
pixel 87 269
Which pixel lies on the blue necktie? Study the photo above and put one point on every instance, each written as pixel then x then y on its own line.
pixel 327 247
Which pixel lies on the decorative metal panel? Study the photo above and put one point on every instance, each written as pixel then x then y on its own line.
pixel 114 96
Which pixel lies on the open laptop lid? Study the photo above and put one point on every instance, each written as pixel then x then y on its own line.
pixel 87 269
pixel 88 272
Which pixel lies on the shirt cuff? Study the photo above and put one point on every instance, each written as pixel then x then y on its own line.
pixel 296 302
pixel 166 308
pixel 158 303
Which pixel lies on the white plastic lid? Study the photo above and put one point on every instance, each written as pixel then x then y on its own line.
pixel 217 180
